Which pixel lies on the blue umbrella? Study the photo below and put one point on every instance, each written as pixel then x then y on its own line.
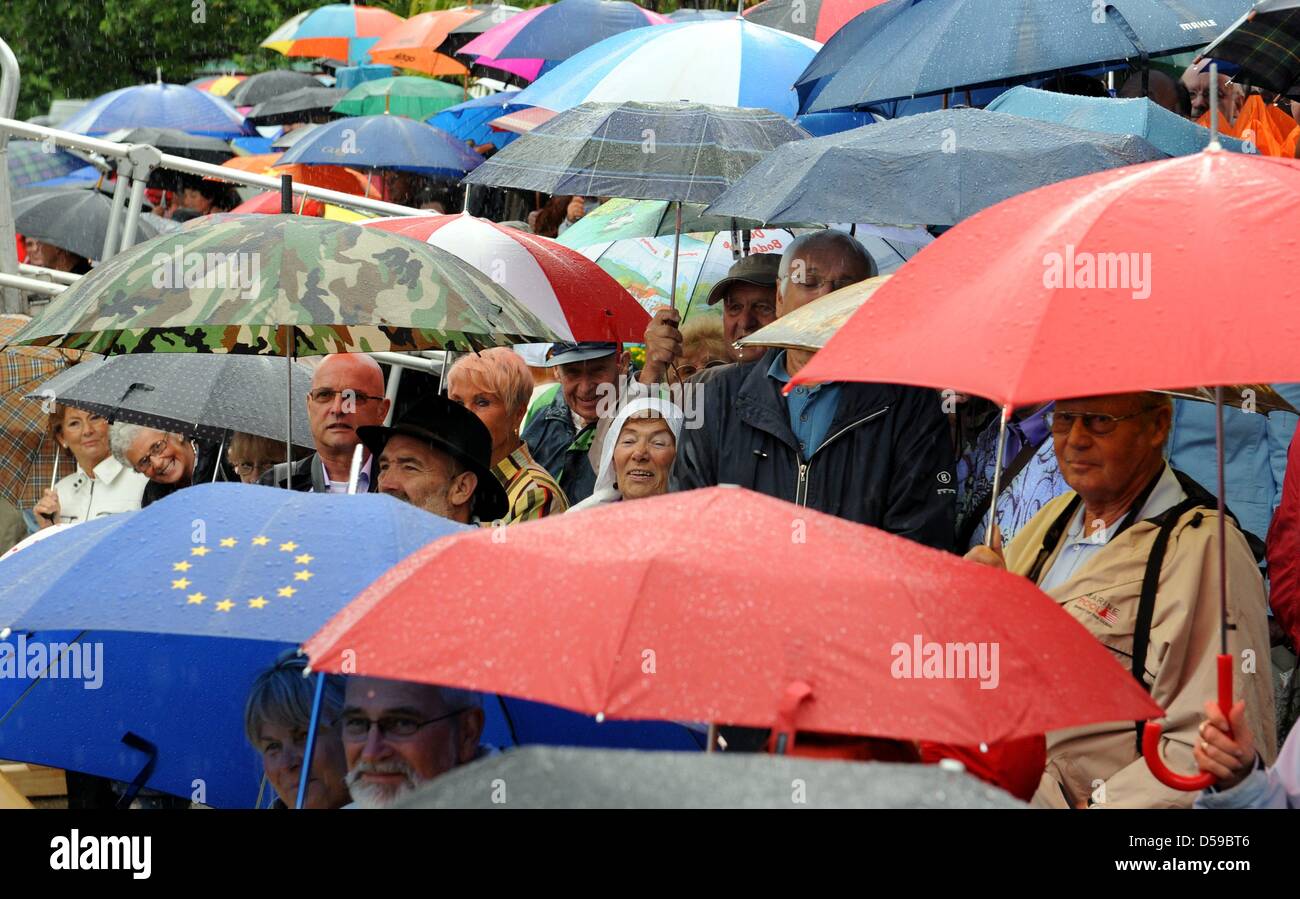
pixel 384 142
pixel 569 26
pixel 160 106
pixel 32 162
pixel 1168 131
pixel 908 48
pixel 468 121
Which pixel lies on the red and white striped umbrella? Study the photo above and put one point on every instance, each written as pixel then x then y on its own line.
pixel 559 285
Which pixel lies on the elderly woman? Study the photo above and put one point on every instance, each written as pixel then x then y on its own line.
pixel 169 461
pixel 496 385
pixel 637 456
pixel 277 717
pixel 101 485
pixel 251 456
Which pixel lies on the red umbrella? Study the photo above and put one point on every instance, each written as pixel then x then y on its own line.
pixel 811 623
pixel 268 203
pixel 561 286
pixel 817 19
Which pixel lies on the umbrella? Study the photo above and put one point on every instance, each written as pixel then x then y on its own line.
pixel 177 143
pixel 489 16
pixel 621 219
pixel 567 291
pixel 33 161
pixel 817 19
pixel 296 105
pixel 1262 44
pixel 385 141
pixel 159 106
pixel 218 85
pixel 74 219
pixel 936 168
pixel 810 326
pixel 785 644
pixel 406 95
pixel 548 778
pixel 729 63
pixel 526 119
pixel 338 31
pixel 28 455
pixel 283 285
pixel 196 394
pixel 414 44
pixel 268 202
pixel 468 121
pixel 264 85
pixel 289 138
pixel 334 177
pixel 1167 131
pixel 911 48
pixel 687 14
pixel 560 30
pixel 688 152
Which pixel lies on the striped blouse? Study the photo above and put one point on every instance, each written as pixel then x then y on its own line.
pixel 530 490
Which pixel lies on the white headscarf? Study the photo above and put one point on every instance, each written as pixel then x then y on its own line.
pixel 606 490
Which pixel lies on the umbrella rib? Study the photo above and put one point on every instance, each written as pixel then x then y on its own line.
pixel 622 639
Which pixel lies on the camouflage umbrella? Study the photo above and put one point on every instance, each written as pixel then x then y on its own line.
pixel 283 285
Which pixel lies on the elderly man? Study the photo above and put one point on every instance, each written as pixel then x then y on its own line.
pixel 1131 553
pixel 560 434
pixel 397 735
pixel 878 454
pixel 347 393
pixel 438 457
pixel 1197 81
pixel 748 297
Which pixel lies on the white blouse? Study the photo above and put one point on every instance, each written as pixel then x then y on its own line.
pixel 114 488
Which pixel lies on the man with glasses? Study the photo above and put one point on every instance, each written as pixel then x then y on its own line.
pixel 397 735
pixel 347 392
pixel 878 454
pixel 1131 553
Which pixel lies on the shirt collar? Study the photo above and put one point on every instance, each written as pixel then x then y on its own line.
pixel 777 372
pixel 1166 494
pixel 108 469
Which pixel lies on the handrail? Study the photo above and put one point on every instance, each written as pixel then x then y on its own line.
pixel 10 300
pixel 31 285
pixel 52 274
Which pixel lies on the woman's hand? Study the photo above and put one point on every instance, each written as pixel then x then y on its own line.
pixel 1227 754
pixel 47 510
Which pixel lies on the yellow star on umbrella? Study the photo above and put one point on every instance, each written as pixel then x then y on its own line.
pixel 195 599
pixel 228 541
pixel 225 605
pixel 261 541
pixel 257 603
pixel 303 575
pixel 304 559
pixel 288 547
pixel 286 591
pixel 180 583
pixel 181 566
pixel 200 551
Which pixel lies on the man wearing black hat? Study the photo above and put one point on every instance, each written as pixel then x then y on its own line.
pixel 438 458
pixel 560 435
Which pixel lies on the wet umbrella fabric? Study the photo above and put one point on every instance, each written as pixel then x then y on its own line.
pixel 264 85
pixel 550 778
pixel 178 143
pixel 936 168
pixel 385 141
pixel 30 162
pixel 27 451
pixel 562 29
pixel 160 106
pixel 1262 44
pixel 468 121
pixel 196 394
pixel 342 31
pixel 73 219
pixel 296 105
pixel 405 95
pixel 816 19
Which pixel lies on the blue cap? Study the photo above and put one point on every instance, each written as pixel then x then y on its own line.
pixel 564 353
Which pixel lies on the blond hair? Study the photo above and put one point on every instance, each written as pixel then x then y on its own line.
pixel 500 371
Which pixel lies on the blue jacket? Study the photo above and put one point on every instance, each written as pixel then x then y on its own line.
pixel 561 449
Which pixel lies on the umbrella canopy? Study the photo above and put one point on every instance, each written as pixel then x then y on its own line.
pixel 689 152
pixel 334 177
pixel 385 141
pixel 200 395
pixel 268 203
pixel 567 291
pixel 414 44
pixel 405 95
pixel 1166 131
pixel 1145 301
pixel 218 85
pixel 623 219
pixel 728 62
pixel 27 452
pixel 911 48
pixel 1262 44
pixel 936 168
pixel 562 29
pixel 809 327
pixel 283 283
pixel 159 106
pixel 526 119
pixel 489 16
pixel 178 143
pixel 264 85
pixel 296 105
pixel 817 19
pixel 468 121
pixel 289 138
pixel 550 778
pixel 74 219
pixel 31 161
pixel 341 31
pixel 647 632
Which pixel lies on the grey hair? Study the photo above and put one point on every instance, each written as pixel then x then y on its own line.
pixel 282 695
pixel 121 435
pixel 829 238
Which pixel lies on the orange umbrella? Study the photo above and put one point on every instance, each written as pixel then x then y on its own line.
pixel 334 177
pixel 258 163
pixel 414 44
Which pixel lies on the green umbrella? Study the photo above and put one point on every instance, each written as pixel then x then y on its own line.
pixel 408 95
pixel 247 284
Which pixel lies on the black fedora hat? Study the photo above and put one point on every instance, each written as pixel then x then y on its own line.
pixel 454 430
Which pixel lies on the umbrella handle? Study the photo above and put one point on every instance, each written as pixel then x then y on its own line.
pixel 1151 740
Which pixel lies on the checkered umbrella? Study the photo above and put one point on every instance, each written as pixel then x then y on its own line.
pixel 26 451
pixel 32 161
pixel 1265 43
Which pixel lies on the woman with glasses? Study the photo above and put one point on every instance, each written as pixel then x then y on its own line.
pixel 170 461
pixel 251 456
pixel 98 485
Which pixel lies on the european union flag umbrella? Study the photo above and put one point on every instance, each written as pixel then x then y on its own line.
pixel 908 48
pixel 384 142
pixel 160 106
pixel 1167 131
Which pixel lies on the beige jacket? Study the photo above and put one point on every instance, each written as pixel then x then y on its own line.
pixel 1101 762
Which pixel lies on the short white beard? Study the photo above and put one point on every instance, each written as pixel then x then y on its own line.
pixel 373 795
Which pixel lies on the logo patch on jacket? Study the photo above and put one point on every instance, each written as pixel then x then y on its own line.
pixel 1100 609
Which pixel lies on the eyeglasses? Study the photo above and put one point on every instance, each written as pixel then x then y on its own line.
pixel 145 465
pixel 325 396
pixel 815 283
pixel 357 728
pixel 1096 423
pixel 246 469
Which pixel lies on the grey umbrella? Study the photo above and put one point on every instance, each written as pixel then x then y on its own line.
pixel 264 85
pixel 196 394
pixel 562 777
pixel 936 168
pixel 76 220
pixel 296 106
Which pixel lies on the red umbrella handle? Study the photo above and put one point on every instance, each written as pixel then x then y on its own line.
pixel 1151 740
